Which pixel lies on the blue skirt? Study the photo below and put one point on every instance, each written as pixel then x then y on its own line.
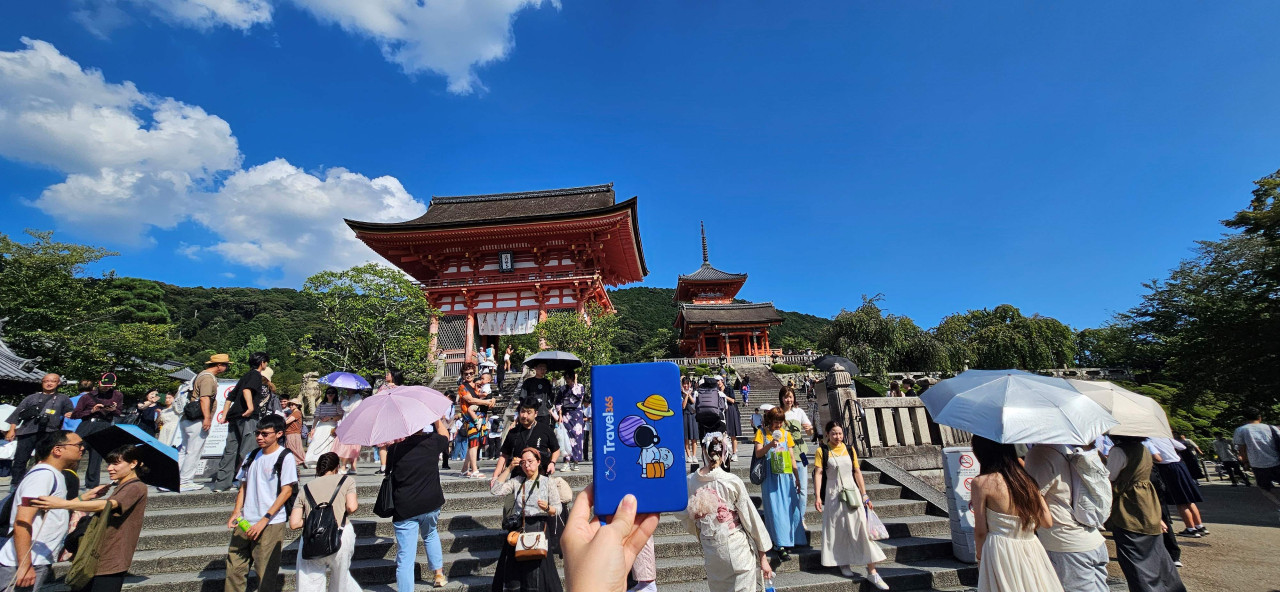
pixel 783 510
pixel 1182 489
pixel 690 426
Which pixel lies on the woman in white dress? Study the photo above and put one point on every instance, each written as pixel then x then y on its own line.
pixel 846 542
pixel 322 425
pixel 720 513
pixel 1007 509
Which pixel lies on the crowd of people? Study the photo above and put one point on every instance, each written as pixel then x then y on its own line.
pixel 1039 511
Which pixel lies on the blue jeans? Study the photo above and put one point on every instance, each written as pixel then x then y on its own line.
pixel 407 547
pixel 459 450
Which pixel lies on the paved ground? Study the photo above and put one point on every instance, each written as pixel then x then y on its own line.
pixel 1243 553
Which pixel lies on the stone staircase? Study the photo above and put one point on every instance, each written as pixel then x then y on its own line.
pixel 183 543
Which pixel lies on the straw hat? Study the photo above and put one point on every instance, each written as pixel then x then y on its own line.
pixel 267 373
pixel 218 359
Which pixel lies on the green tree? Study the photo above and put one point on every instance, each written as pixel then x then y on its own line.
pixel 589 338
pixel 880 343
pixel 377 319
pixel 1003 337
pixel 58 314
pixel 139 300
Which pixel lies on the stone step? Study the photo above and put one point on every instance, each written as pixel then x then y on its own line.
pixel 366 486
pixel 680 560
pixel 937 574
pixel 884 499
pixel 479 555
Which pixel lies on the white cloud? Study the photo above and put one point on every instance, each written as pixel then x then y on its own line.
pixel 136 161
pixel 447 37
pixel 290 219
pixel 207 14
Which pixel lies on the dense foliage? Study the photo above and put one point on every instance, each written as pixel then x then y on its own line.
pixel 71 323
pixel 377 319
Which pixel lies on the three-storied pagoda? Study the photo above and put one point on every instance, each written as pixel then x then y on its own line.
pixel 498 264
pixel 711 324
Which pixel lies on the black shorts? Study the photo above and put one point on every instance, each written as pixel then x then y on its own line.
pixel 1267 478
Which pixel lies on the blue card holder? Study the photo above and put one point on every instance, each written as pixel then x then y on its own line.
pixel 637 437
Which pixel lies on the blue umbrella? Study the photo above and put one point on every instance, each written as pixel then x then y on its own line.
pixel 160 459
pixel 345 380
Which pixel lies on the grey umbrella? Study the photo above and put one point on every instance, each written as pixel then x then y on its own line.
pixel 556 361
pixel 826 362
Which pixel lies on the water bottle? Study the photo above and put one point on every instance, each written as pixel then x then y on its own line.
pixel 244 524
pixel 768 585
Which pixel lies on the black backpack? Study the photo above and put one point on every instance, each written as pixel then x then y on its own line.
pixel 321 533
pixel 284 452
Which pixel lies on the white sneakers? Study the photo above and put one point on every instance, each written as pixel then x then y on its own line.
pixel 877 581
pixel 190 487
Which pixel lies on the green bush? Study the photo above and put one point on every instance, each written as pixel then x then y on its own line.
pixel 865 387
pixel 787 369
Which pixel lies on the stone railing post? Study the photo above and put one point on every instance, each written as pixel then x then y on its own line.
pixel 842 405
pixel 309 391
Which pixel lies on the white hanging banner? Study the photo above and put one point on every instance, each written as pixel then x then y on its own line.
pixel 513 322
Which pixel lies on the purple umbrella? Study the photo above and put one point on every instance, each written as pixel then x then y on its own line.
pixel 394 415
pixel 345 380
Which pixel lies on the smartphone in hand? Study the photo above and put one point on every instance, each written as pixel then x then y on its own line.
pixel 638 439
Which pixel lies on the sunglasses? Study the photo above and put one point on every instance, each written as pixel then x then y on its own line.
pixel 265 433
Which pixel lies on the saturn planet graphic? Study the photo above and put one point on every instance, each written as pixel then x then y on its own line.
pixel 655 407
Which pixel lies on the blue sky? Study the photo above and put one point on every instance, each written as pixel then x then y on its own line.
pixel 947 155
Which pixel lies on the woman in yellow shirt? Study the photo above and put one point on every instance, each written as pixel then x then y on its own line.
pixel 783 506
pixel 846 542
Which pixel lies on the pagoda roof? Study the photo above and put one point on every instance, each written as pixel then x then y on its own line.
pixel 503 208
pixel 707 273
pixel 728 314
pixel 17 368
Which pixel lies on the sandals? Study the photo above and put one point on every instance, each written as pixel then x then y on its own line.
pixel 440 581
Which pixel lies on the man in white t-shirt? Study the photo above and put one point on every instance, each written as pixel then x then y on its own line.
pixel 266 485
pixel 1077 551
pixel 1257 443
pixel 37 536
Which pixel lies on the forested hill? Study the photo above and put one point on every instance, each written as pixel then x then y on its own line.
pixel 227 319
pixel 646 317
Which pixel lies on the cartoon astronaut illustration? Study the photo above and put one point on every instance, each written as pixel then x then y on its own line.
pixel 635 432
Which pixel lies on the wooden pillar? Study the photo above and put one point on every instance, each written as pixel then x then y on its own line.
pixel 470 342
pixel 766 343
pixel 726 350
pixel 542 316
pixel 435 334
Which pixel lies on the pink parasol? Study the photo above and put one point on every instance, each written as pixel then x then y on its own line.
pixel 394 415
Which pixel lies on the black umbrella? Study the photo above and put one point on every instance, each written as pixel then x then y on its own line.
pixel 556 361
pixel 826 362
pixel 160 459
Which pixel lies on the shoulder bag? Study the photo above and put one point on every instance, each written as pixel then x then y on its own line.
pixel 85 564
pixel 385 505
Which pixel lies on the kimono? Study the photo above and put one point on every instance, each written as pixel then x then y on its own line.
pixel 721 515
pixel 571 416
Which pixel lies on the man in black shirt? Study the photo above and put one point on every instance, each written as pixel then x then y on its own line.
pixel 241 415
pixel 528 433
pixel 536 390
pixel 38 414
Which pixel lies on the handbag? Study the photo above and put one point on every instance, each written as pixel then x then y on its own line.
pixel 531 546
pixel 385 505
pixel 85 564
pixel 757 469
